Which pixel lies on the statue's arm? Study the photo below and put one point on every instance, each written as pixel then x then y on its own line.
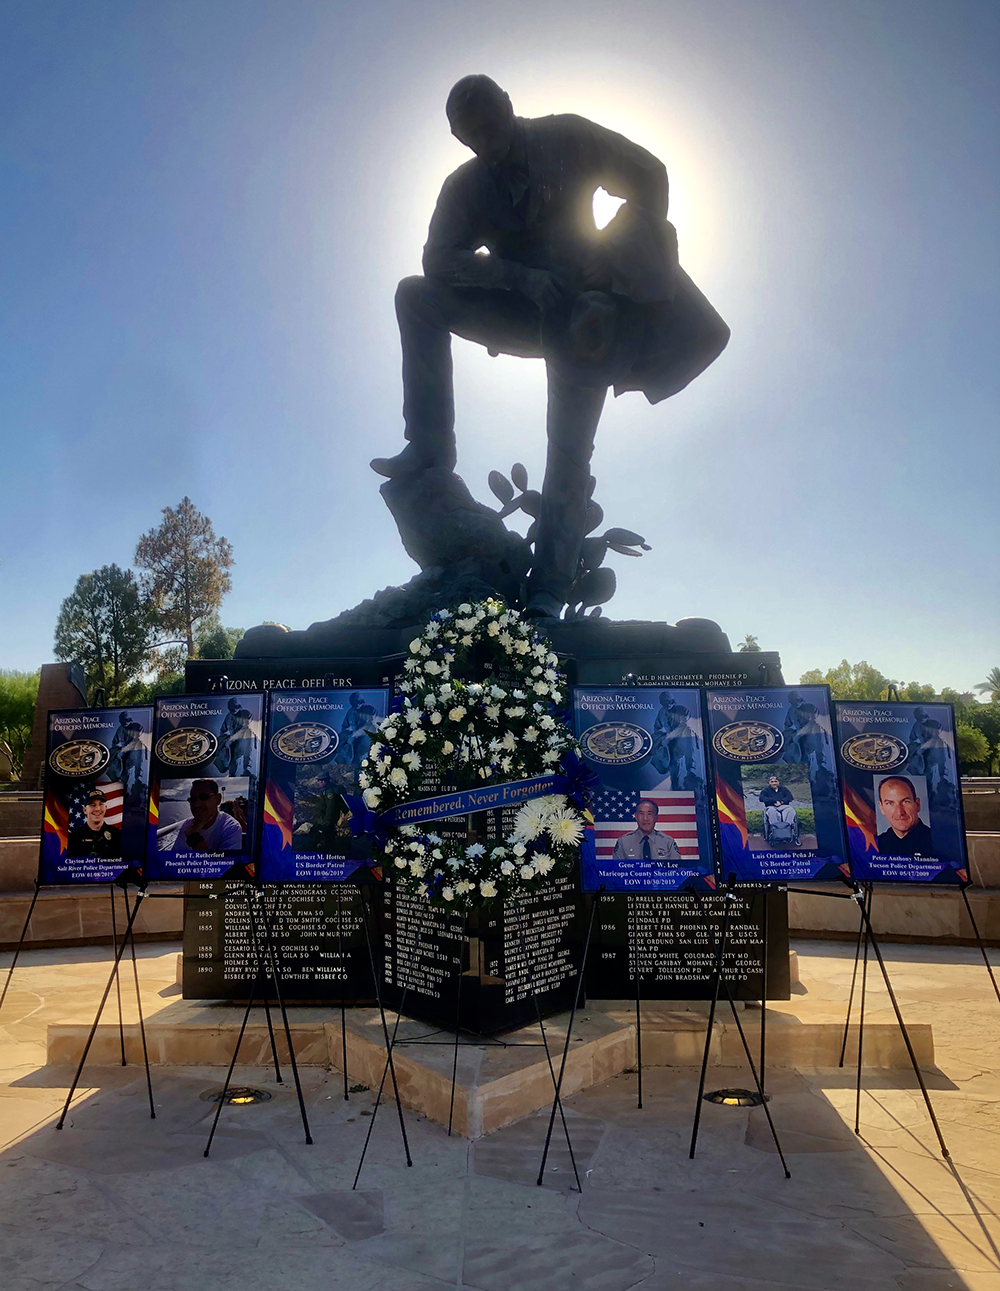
pixel 626 170
pixel 451 253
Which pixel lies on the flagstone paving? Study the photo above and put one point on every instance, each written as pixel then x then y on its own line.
pixel 119 1202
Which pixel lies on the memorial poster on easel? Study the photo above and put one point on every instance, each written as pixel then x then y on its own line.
pixel 96 791
pixel 901 792
pixel 651 824
pixel 316 741
pixel 776 789
pixel 204 787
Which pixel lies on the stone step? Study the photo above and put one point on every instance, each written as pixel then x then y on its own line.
pixel 900 912
pixel 498 1082
pixel 81 916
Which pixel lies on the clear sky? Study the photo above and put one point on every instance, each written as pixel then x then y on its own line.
pixel 205 208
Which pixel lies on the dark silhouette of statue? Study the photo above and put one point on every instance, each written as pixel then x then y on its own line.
pixel 515 262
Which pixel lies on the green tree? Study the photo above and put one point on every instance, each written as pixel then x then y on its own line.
pixel 186 571
pixel 973 749
pixel 850 681
pixel 915 692
pixel 749 644
pixel 991 685
pixel 106 626
pixel 18 692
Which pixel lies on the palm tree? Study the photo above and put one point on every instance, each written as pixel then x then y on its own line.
pixel 991 684
pixel 749 644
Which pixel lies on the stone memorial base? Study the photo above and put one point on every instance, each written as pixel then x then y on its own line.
pixel 498 1081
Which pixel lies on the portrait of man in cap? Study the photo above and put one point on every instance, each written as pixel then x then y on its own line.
pixel 94 837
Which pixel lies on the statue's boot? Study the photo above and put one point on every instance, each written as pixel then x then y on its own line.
pixel 414 458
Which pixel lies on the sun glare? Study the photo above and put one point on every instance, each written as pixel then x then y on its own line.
pixel 605 208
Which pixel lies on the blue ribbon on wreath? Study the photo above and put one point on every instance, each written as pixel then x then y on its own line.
pixel 574 779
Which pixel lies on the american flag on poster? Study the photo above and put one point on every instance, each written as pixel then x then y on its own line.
pixel 77 801
pixel 614 815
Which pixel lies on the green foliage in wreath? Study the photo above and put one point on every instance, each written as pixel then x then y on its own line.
pixel 473 733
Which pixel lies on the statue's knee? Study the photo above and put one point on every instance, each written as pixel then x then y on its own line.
pixel 411 294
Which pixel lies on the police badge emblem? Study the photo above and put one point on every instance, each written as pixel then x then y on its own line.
pixel 186 747
pixel 304 742
pixel 874 752
pixel 616 743
pixel 748 741
pixel 80 758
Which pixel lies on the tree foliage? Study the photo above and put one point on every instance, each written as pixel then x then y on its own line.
pixel 106 626
pixel 991 686
pixel 749 644
pixel 850 681
pixel 972 747
pixel 186 570
pixel 18 692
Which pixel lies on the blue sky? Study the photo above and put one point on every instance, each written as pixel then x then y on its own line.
pixel 205 208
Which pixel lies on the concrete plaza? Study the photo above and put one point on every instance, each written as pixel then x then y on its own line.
pixel 118 1202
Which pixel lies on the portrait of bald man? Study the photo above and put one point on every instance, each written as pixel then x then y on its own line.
pixel 907 834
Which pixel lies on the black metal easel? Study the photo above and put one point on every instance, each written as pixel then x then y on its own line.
pixel 557 1100
pixel 389 1067
pixel 122 881
pixel 720 978
pixel 864 902
pixel 267 971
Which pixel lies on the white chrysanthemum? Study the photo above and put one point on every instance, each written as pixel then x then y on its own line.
pixel 431 630
pixel 418 869
pixel 408 830
pixel 412 715
pixel 418 736
pixel 390 732
pixel 488 888
pixel 531 734
pixel 463 886
pixel 447 747
pixel 493 711
pixel 432 666
pixel 506 764
pixel 516 711
pixel 493 629
pixel 555 696
pixel 530 821
pixel 436 718
pixel 411 665
pixel 364 780
pixel 565 827
pixel 397 778
pixel 544 863
pixel 521 647
pixel 448 893
pixel 457 713
pixel 527 871
pixel 412 760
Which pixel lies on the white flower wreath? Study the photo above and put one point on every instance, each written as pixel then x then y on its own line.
pixel 473 732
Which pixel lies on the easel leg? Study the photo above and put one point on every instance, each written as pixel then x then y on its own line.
pixel 138 1005
pixel 638 1037
pixel 548 1051
pixel 258 978
pixel 20 943
pixel 850 998
pixel 906 1037
pixel 276 974
pixel 720 950
pixel 753 1071
pixel 118 982
pixel 257 940
pixel 120 950
pixel 454 1058
pixel 979 942
pixel 866 897
pixel 556 1102
pixel 388 1043
pixel 763 999
pixel 343 987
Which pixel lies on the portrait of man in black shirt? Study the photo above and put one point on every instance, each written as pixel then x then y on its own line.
pixel 907 834
pixel 95 838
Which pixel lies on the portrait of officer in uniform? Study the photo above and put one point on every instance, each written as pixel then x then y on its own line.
pixel 907 834
pixel 94 837
pixel 644 843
